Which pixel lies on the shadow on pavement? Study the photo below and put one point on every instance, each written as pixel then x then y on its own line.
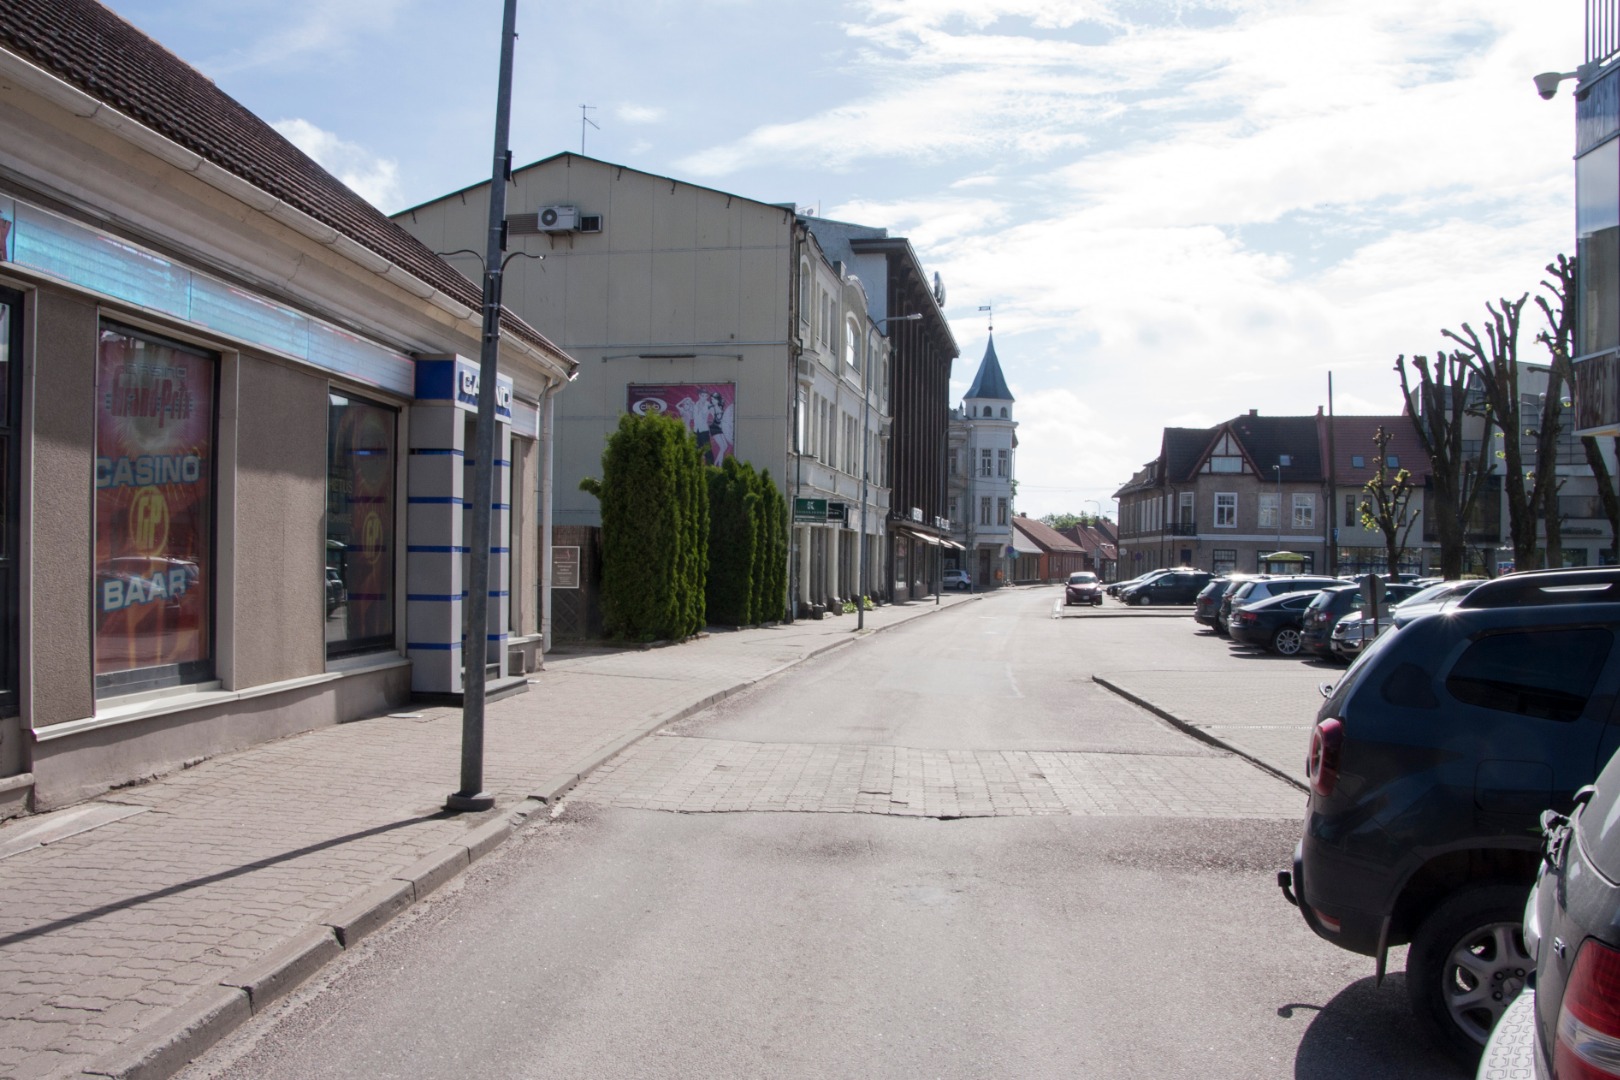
pixel 211 879
pixel 1368 1030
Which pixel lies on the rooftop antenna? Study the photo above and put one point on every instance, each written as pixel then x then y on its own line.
pixel 583 120
pixel 989 320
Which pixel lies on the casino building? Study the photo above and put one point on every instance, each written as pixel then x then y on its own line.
pixel 236 410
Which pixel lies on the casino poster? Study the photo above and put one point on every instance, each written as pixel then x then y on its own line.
pixel 709 411
pixel 154 506
pixel 365 525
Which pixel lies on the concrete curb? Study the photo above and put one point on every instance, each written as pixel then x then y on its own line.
pixel 1197 732
pixel 194 1027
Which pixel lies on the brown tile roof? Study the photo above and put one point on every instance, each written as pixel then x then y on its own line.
pixel 1353 438
pixel 1043 534
pixel 86 45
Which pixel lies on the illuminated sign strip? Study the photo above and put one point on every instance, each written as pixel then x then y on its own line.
pixel 50 244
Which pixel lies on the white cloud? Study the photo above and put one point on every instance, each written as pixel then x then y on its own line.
pixel 373 178
pixel 632 113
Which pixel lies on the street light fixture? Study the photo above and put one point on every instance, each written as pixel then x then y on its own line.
pixel 866 472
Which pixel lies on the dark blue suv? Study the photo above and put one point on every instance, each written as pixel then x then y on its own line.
pixel 1429 766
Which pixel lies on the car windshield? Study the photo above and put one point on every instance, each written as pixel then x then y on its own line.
pixel 1438 592
pixel 1082 579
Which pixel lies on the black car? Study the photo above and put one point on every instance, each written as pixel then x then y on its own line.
pixel 1176 587
pixel 1207 602
pixel 1566 1023
pixel 1333 604
pixel 1273 623
pixel 1429 765
pixel 1118 587
pixel 1265 585
pixel 1221 605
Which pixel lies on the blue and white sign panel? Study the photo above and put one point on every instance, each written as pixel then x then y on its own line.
pixel 455 379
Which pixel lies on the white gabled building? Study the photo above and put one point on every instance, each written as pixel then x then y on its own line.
pixel 981 469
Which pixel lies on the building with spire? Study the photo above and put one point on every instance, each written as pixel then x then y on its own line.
pixel 982 445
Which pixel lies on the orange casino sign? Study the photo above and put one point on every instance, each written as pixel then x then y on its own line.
pixel 154 505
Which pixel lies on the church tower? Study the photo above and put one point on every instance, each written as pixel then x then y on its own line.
pixel 983 439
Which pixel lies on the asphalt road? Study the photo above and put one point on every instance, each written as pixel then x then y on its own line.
pixel 942 852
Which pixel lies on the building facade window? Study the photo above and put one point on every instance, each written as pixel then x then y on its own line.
pixel 1001 511
pixel 984 509
pixel 1226 509
pixel 1001 463
pixel 1304 511
pixel 154 512
pixel 1270 509
pixel 360 543
pixel 1223 560
pixel 852 356
pixel 951 460
pixel 1185 509
pixel 1597 248
pixel 984 463
pixel 1352 511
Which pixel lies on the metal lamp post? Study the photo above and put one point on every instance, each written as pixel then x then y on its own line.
pixel 475 656
pixel 866 453
pixel 1278 470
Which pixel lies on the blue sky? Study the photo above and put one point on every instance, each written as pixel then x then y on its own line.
pixel 1179 209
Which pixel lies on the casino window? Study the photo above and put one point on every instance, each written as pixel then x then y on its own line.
pixel 10 372
pixel 154 512
pixel 360 540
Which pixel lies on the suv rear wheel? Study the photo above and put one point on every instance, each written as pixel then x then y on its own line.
pixel 1467 963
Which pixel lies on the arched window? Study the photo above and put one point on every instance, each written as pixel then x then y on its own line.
pixel 987 410
pixel 851 356
pixel 1004 412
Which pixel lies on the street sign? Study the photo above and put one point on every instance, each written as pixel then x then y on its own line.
pixel 810 511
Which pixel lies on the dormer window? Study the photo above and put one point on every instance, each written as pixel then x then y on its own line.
pixel 1004 413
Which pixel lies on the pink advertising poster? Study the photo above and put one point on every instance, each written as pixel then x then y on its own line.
pixel 707 409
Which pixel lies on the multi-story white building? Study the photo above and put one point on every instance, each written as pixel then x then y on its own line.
pixel 980 464
pixel 729 313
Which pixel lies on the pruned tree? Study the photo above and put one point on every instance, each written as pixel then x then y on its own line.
pixel 1559 339
pixel 1438 407
pixel 1494 362
pixel 1387 507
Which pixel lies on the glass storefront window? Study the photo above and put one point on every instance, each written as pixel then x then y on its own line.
pixel 10 370
pixel 154 512
pixel 1597 248
pixel 360 551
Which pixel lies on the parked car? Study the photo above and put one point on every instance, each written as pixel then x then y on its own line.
pixel 1207 603
pixel 1333 604
pixel 1275 623
pixel 1428 766
pixel 1260 588
pixel 1176 587
pixel 1576 585
pixel 1222 604
pixel 1120 586
pixel 1352 633
pixel 956 579
pixel 1083 588
pixel 1566 1022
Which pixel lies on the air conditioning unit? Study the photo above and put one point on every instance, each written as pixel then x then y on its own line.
pixel 557 218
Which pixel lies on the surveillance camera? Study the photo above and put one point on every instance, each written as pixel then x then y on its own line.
pixel 1547 84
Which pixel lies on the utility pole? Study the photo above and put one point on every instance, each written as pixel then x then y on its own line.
pixel 583 120
pixel 475 653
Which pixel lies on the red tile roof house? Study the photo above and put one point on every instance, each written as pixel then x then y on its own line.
pixel 1223 497
pixel 1097 544
pixel 255 383
pixel 1059 556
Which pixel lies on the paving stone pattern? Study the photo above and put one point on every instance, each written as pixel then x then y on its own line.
pixel 692 775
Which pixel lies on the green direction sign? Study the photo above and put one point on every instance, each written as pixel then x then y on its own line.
pixel 810 511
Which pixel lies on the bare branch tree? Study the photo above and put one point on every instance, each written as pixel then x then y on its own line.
pixel 1438 408
pixel 1495 363
pixel 1559 338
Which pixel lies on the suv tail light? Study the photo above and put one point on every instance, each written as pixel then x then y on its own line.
pixel 1588 1046
pixel 1322 760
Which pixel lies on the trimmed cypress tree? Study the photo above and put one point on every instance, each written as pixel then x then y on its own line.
pixel 733 544
pixel 772 603
pixel 654 530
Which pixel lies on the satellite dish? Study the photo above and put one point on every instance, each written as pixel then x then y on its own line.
pixel 939 290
